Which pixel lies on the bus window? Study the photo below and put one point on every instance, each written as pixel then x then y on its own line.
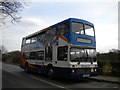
pixel 77 28
pixel 27 41
pixel 89 30
pixel 34 39
pixel 32 55
pixel 82 55
pixel 48 53
pixel 40 55
pixel 62 29
pixel 23 41
pixel 26 55
pixel 48 38
pixel 62 53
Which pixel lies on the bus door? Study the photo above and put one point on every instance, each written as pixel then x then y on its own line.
pixel 48 54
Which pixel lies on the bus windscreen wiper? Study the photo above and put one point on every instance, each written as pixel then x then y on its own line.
pixel 79 60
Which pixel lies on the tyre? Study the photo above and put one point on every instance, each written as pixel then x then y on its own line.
pixel 50 73
pixel 39 72
pixel 26 67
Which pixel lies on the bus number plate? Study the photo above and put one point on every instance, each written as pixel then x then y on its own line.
pixel 86 75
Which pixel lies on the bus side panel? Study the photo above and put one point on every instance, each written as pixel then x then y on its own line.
pixel 22 61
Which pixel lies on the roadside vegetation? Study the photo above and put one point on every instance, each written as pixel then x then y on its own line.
pixel 109 63
pixel 12 57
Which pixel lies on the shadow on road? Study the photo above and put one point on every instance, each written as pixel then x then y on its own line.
pixel 60 80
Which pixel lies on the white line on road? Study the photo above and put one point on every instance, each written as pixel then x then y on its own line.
pixel 115 87
pixel 50 83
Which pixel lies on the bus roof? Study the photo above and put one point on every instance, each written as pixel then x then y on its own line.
pixel 67 20
pixel 73 20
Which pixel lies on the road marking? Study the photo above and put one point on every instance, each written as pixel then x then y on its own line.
pixel 115 87
pixel 50 83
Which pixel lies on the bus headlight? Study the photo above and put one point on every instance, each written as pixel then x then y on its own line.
pixel 95 69
pixel 92 70
pixel 73 70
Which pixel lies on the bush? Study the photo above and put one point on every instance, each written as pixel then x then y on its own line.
pixel 11 57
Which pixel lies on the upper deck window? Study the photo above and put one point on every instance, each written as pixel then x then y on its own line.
pixel 77 28
pixel 27 41
pixel 23 41
pixel 62 29
pixel 33 39
pixel 89 30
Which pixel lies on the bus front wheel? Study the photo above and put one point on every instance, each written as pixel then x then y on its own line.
pixel 26 67
pixel 50 73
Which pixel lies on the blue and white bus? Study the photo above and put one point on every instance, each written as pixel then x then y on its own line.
pixel 66 49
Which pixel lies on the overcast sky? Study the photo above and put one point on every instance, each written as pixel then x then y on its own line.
pixel 38 15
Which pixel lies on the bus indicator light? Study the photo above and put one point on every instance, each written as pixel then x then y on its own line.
pixel 92 70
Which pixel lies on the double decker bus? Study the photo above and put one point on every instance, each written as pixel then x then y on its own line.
pixel 66 49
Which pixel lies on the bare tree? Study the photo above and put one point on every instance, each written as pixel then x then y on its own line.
pixel 3 49
pixel 9 10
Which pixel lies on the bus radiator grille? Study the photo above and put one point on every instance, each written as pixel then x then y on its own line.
pixel 83 71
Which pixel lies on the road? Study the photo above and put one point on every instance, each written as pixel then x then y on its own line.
pixel 14 77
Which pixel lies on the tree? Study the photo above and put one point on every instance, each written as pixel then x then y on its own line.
pixel 11 57
pixel 3 49
pixel 9 10
pixel 113 50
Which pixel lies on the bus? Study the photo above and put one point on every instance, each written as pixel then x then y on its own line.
pixel 66 49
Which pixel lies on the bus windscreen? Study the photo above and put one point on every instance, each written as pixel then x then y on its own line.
pixel 82 55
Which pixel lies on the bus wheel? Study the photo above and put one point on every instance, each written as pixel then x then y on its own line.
pixel 26 67
pixel 39 72
pixel 50 73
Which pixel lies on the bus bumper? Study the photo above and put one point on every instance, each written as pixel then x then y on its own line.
pixel 82 75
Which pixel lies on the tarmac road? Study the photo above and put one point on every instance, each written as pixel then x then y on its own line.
pixel 14 77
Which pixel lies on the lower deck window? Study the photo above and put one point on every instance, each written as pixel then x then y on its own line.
pixel 32 55
pixel 40 55
pixel 26 55
pixel 62 53
pixel 48 53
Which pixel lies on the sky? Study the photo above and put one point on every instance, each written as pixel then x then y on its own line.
pixel 38 15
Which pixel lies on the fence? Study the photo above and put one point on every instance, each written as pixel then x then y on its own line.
pixel 109 68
